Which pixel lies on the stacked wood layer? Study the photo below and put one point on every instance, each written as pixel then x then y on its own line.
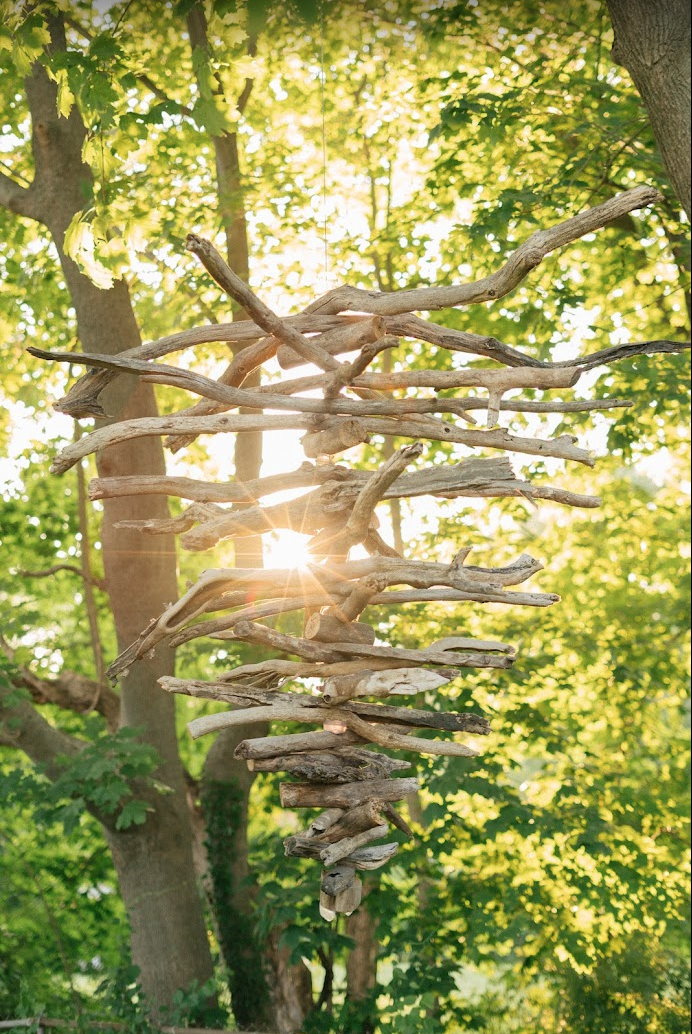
pixel 339 405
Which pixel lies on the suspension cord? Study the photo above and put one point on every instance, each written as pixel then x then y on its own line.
pixel 324 148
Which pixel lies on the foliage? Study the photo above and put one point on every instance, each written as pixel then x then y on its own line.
pixel 222 803
pixel 61 919
pixel 102 776
pixel 546 888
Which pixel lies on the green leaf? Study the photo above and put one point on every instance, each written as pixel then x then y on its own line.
pixel 134 813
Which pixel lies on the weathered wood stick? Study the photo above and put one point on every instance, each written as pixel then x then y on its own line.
pixel 259 699
pixel 221 272
pixel 369 858
pixel 456 642
pixel 300 669
pixel 304 795
pixel 496 381
pixel 331 577
pixel 336 766
pixel 307 648
pixel 265 747
pixel 304 514
pixel 348 372
pixel 344 429
pixel 338 879
pixel 358 523
pixel 369 731
pixel 302 847
pixel 209 723
pixel 306 476
pixel 562 447
pixel 221 628
pixel 452 721
pixel 330 855
pixel 349 338
pixel 515 405
pixel 347 901
pixel 198 512
pixel 332 581
pixel 236 373
pixel 263 610
pixel 310 650
pixel 82 398
pixel 323 821
pixel 517 599
pixel 526 257
pixel 363 592
pixel 395 818
pixel 402 658
pixel 327 629
pixel 387 737
pixel 309 715
pixel 354 820
pixel 143 427
pixel 277 396
pixel 375 545
pixel 342 435
pixel 400 682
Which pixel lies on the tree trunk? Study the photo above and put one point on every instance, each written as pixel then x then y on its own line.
pixel 224 795
pixel 652 41
pixel 154 861
pixel 264 987
pixel 361 969
pixel 229 184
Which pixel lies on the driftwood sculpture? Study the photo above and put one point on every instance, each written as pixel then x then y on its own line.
pixel 333 766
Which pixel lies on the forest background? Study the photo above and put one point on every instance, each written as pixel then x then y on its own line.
pixel 388 145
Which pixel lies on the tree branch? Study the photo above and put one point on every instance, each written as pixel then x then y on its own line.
pixel 98 582
pixel 18 199
pixel 23 727
pixel 526 257
pixel 69 690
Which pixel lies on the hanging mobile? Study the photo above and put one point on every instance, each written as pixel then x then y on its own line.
pixel 336 766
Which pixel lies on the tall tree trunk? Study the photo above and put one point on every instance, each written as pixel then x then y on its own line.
pixel 229 184
pixel 153 861
pixel 224 795
pixel 265 989
pixel 361 968
pixel 652 41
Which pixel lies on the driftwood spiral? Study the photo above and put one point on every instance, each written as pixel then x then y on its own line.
pixel 334 765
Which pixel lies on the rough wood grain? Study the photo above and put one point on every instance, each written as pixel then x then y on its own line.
pixel 526 257
pixel 400 682
pixel 334 766
pixel 348 795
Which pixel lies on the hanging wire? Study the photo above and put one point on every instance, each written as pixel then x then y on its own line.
pixel 324 148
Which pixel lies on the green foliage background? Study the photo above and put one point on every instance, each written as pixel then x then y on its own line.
pixel 547 887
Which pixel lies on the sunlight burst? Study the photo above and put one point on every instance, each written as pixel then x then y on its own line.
pixel 287 549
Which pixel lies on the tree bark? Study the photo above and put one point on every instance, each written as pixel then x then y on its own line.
pixel 154 862
pixel 229 182
pixel 652 41
pixel 255 975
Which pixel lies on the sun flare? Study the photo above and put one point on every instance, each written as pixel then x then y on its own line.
pixel 287 549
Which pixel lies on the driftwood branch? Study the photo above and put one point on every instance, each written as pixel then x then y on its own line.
pixel 224 276
pixel 526 257
pixel 341 436
pixel 341 406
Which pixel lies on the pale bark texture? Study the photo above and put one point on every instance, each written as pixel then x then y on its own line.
pixel 153 861
pixel 652 41
pixel 265 989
